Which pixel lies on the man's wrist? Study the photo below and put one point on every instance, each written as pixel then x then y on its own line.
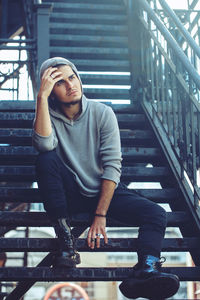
pixel 100 215
pixel 42 96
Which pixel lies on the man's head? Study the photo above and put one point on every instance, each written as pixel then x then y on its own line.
pixel 67 91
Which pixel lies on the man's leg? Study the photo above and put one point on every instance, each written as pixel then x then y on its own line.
pixel 57 186
pixel 147 280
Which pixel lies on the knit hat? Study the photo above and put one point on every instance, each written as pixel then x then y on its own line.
pixel 54 61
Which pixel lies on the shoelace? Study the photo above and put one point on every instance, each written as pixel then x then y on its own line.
pixel 159 263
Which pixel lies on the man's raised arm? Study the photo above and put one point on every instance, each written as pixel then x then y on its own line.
pixel 42 124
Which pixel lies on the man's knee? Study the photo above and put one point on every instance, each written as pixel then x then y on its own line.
pixel 44 159
pixel 160 214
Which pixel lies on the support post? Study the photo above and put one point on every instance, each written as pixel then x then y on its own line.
pixel 4 18
pixel 42 33
pixel 134 34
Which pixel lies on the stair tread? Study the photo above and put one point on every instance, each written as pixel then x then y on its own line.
pixel 95 64
pixel 114 244
pixel 123 52
pixel 29 150
pixel 36 219
pixel 27 173
pixel 27 132
pixel 21 155
pixel 86 274
pixel 105 2
pixel 27 194
pixel 29 106
pixel 88 41
pixel 61 14
pixel 110 93
pixel 25 119
pixel 105 79
pixel 100 29
pixel 91 6
pixel 23 137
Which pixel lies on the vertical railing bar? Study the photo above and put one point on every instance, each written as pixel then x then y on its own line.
pixel 162 92
pixel 157 97
pixel 198 138
pixel 173 107
pixel 180 124
pixel 187 133
pixel 152 76
pixel 167 97
pixel 147 59
pixel 193 143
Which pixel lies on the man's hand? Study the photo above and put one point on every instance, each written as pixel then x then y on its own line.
pixel 42 124
pixel 48 80
pixel 97 228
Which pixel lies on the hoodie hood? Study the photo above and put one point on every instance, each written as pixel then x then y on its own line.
pixel 53 109
pixel 55 61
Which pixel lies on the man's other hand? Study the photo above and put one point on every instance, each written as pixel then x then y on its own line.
pixel 97 229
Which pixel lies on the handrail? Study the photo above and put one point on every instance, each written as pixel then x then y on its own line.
pixel 177 49
pixel 181 28
pixel 169 87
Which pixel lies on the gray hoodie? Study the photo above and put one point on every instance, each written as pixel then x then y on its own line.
pixel 89 146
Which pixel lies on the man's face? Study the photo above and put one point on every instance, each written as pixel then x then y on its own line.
pixel 68 90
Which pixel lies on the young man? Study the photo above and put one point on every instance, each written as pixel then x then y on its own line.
pixel 78 170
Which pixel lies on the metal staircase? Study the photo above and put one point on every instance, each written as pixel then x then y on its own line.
pixel 159 130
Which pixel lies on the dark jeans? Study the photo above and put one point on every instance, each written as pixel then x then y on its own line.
pixel 61 198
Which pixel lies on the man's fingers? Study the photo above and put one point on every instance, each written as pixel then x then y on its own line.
pixel 55 75
pixel 49 71
pixel 91 240
pixel 105 237
pixel 98 235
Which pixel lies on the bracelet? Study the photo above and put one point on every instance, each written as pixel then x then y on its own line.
pixel 99 215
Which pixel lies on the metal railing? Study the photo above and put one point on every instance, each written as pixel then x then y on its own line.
pixel 15 66
pixel 169 86
pixel 184 27
pixel 36 44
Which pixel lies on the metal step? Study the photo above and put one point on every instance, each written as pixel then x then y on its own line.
pixel 29 106
pixel 131 174
pixel 17 106
pixel 95 8
pixel 86 274
pixel 104 94
pixel 87 18
pixel 105 2
pixel 86 29
pixel 31 195
pixel 89 7
pixel 35 219
pixel 23 137
pixel 88 41
pixel 93 53
pixel 21 155
pixel 25 120
pixel 69 8
pixel 96 64
pixel 104 79
pixel 114 245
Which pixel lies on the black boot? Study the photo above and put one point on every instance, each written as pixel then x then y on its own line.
pixel 149 282
pixel 68 256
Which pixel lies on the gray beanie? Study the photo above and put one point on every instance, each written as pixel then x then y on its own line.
pixel 54 61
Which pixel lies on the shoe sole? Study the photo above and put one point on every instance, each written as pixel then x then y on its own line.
pixel 154 288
